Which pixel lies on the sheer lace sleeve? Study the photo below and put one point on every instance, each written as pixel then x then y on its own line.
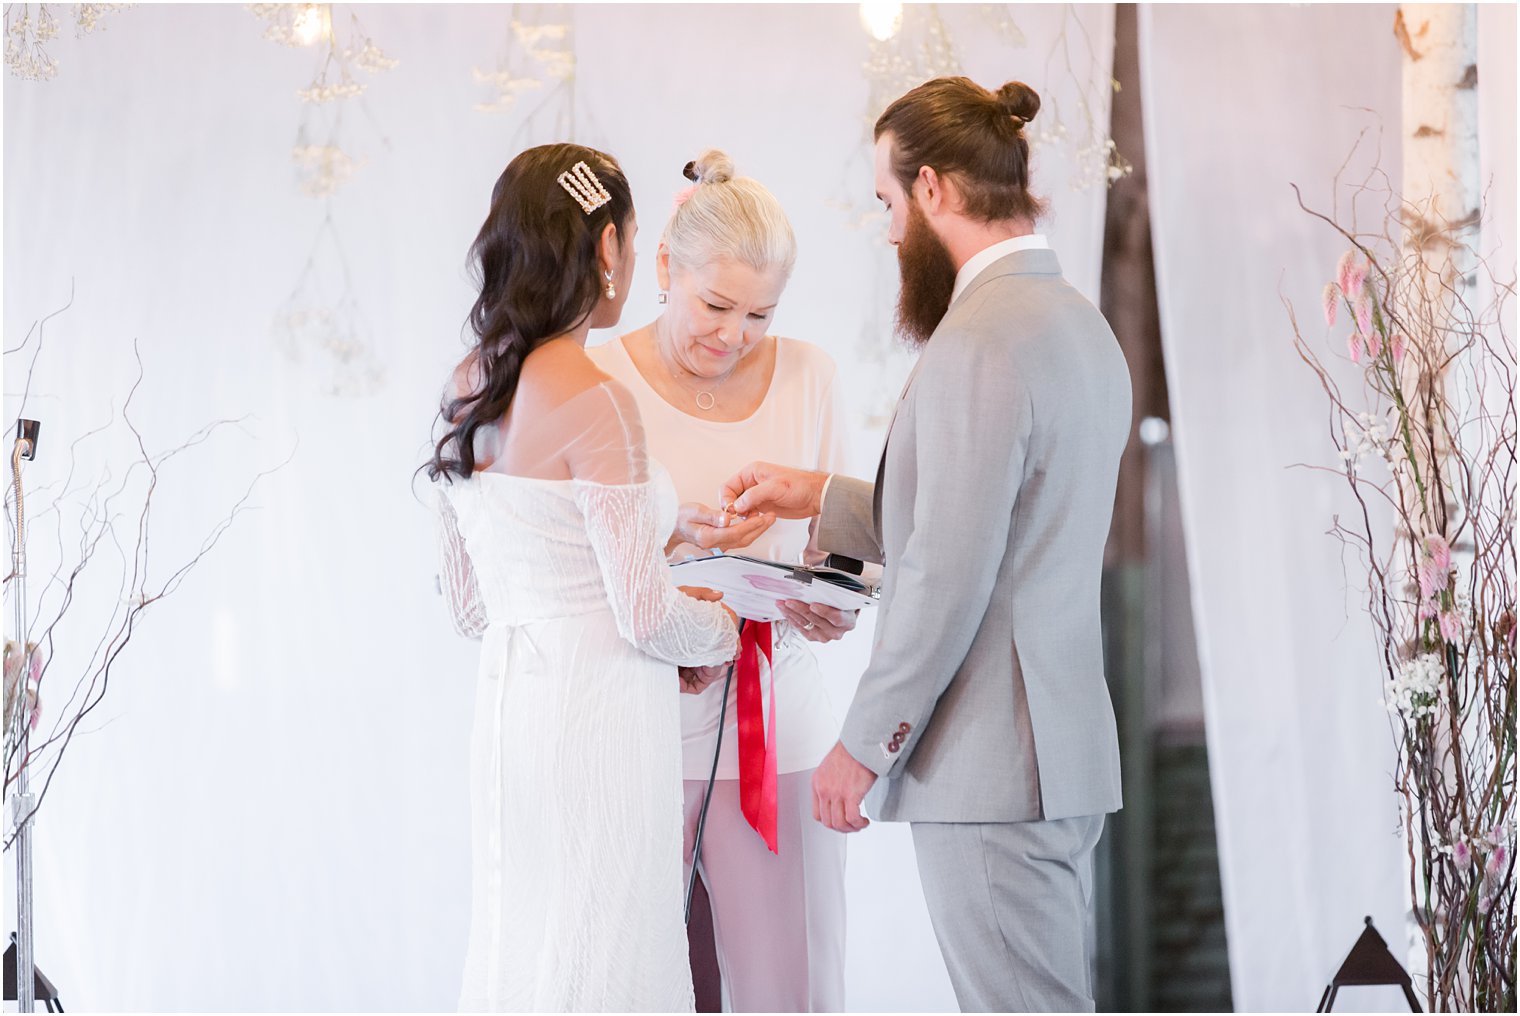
pixel 456 575
pixel 613 488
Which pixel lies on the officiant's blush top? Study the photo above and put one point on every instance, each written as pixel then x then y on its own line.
pixel 797 424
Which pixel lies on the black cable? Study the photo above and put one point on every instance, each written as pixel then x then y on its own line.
pixel 696 849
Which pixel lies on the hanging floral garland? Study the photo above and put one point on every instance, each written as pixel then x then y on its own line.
pixel 321 322
pixel 29 27
pixel 536 54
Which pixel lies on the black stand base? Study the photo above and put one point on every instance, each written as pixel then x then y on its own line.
pixel 46 993
pixel 1369 963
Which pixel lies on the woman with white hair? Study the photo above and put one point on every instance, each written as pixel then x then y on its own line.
pixel 716 390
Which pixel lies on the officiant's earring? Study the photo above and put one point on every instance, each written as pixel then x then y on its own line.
pixel 664 296
pixel 611 289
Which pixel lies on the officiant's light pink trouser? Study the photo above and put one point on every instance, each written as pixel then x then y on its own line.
pixel 778 919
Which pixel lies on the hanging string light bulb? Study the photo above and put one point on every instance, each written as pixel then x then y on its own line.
pixel 312 24
pixel 882 20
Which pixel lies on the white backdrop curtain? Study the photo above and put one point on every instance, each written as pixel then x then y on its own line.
pixel 269 812
pixel 1240 101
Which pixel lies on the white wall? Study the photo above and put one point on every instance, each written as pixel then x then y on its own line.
pixel 270 810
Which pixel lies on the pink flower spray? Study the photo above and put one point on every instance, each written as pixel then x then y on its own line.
pixel 1351 273
pixel 1364 315
pixel 1439 552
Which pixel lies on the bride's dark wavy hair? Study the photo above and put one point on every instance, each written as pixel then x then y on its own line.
pixel 535 261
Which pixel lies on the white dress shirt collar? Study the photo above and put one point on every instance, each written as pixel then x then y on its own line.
pixel 981 259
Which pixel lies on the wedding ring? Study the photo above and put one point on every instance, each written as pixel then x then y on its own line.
pixel 810 626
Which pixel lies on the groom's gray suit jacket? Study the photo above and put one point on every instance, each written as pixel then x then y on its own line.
pixel 985 698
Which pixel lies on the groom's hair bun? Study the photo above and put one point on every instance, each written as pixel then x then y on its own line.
pixel 971 136
pixel 1017 99
pixel 739 221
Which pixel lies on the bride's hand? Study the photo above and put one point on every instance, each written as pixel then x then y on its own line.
pixel 694 680
pixel 710 596
pixel 710 528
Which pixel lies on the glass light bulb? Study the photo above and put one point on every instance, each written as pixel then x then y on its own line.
pixel 882 20
pixel 310 25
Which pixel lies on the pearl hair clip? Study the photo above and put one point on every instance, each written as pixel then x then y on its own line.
pixel 582 185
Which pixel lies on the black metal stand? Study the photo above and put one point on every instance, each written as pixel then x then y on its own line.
pixel 1369 963
pixel 46 993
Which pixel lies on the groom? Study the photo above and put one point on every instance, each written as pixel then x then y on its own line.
pixel 984 712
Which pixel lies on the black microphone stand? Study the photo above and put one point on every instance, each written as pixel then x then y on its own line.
pixel 696 849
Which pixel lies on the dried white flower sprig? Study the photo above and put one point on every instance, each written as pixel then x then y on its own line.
pixel 536 56
pixel 29 26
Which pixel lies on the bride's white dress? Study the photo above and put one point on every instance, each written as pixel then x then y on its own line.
pixel 575 757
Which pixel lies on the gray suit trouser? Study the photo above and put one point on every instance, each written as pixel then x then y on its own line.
pixel 1010 902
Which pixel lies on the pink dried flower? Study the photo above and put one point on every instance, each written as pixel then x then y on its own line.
pixel 1354 346
pixel 1364 315
pixel 1397 345
pixel 1351 273
pixel 1439 552
pixel 15 665
pixel 1429 607
pixel 1451 626
pixel 1462 855
pixel 1485 904
pixel 1374 344
pixel 1331 299
pixel 1496 862
pixel 1430 582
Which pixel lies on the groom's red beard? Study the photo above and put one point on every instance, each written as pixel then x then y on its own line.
pixel 928 279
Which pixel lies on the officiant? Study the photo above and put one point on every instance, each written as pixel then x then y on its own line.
pixel 716 390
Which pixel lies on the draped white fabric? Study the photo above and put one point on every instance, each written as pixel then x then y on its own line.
pixel 1239 103
pixel 270 809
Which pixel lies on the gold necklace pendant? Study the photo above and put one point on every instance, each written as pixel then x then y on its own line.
pixel 705 400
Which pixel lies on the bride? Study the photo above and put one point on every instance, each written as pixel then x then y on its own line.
pixel 554 522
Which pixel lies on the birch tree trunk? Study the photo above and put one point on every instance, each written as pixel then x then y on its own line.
pixel 1440 123
pixel 1441 202
pixel 1441 209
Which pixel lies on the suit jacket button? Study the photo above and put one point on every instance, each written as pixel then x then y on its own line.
pixel 894 746
pixel 903 728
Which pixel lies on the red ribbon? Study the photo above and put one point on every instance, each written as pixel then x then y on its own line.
pixel 757 733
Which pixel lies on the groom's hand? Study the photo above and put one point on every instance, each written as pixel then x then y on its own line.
pixel 839 785
pixel 778 490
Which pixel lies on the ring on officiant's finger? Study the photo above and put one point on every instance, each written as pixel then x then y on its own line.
pixel 810 626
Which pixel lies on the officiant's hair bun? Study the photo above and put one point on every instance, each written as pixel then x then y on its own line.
pixel 712 166
pixel 725 216
pixel 1017 99
pixel 973 137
